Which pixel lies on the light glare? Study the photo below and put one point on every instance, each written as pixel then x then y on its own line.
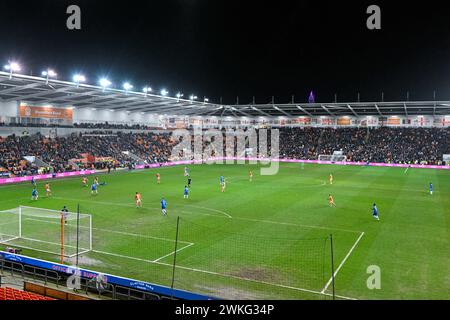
pixel 105 82
pixel 79 78
pixel 127 86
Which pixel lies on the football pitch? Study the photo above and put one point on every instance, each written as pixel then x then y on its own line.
pixel 269 238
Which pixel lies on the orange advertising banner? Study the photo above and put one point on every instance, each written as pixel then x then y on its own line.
pixel 48 112
pixel 344 122
pixel 393 121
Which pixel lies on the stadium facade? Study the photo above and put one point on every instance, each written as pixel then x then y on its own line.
pixel 33 100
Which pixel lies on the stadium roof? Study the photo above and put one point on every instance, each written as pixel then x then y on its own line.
pixel 62 93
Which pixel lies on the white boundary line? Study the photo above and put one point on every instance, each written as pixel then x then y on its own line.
pixel 342 263
pixel 225 275
pixel 213 210
pixel 156 261
pixel 8 240
pixel 140 235
pixel 298 225
pixel 146 208
pixel 118 232
pixel 41 250
pixel 173 252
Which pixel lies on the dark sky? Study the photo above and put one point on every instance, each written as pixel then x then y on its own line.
pixel 229 48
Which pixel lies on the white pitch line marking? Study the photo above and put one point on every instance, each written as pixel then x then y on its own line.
pixel 118 232
pixel 342 263
pixel 173 252
pixel 224 275
pixel 213 210
pixel 148 208
pixel 217 216
pixel 298 225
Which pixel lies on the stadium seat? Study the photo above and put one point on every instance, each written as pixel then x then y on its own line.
pixel 15 294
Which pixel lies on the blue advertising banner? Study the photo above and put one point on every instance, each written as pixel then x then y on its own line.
pixel 115 280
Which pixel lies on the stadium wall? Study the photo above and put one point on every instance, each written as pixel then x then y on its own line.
pixel 4 181
pixel 325 121
pixel 9 110
pixel 119 117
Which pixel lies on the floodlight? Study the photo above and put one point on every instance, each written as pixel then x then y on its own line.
pixel 104 83
pixel 77 78
pixel 127 86
pixel 12 67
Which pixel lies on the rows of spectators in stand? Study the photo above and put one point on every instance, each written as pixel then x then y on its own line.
pixel 388 145
pixel 57 152
pixel 99 125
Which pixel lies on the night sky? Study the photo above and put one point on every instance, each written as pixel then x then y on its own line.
pixel 228 48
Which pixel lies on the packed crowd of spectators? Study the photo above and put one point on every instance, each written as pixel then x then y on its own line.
pixel 122 149
pixel 58 152
pixel 388 145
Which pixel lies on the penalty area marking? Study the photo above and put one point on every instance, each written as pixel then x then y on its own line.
pixel 173 252
pixel 143 260
pixel 342 262
pixel 118 232
pixel 213 210
pixel 224 275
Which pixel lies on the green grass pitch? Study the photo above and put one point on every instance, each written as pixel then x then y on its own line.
pixel 268 238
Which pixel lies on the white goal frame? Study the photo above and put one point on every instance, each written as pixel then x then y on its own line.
pixel 332 158
pixel 15 233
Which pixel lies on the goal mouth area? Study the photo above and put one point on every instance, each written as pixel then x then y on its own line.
pixel 21 243
pixel 66 235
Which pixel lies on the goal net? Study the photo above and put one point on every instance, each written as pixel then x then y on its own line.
pixel 337 156
pixel 46 231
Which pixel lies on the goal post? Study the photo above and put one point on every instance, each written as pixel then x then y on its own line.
pixel 337 156
pixel 324 157
pixel 47 231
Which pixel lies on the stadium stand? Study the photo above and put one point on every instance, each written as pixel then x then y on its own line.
pixel 15 294
pixel 384 144
pixel 57 152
